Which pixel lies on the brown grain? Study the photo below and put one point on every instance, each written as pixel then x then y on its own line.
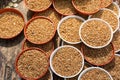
pixel 114 8
pixel 37 5
pixel 87 6
pixel 95 74
pixel 52 14
pixel 47 76
pixel 67 61
pixel 99 56
pixel 78 46
pixel 48 47
pixel 11 24
pixel 40 30
pixel 64 7
pixel 114 68
pixel 108 16
pixel 106 3
pixel 95 33
pixel 69 29
pixel 86 65
pixel 116 41
pixel 32 64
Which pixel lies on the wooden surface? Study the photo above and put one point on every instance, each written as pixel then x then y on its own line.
pixel 10 48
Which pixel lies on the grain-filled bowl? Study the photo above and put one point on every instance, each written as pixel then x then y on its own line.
pixel 38 5
pixel 95 73
pixel 64 7
pixel 68 29
pixel 109 16
pixel 31 64
pixel 87 7
pixel 96 33
pixel 66 61
pixel 39 30
pixel 11 23
pixel 99 57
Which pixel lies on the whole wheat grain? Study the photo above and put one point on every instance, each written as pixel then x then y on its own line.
pixel 78 46
pixel 109 17
pixel 86 65
pixel 95 33
pixel 67 61
pixel 106 3
pixel 87 6
pixel 37 5
pixel 64 7
pixel 32 64
pixel 11 24
pixel 114 8
pixel 95 74
pixel 114 68
pixel 99 56
pixel 48 47
pixel 116 41
pixel 40 30
pixel 52 14
pixel 69 29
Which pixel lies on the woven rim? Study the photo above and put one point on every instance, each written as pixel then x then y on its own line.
pixel 53 54
pixel 39 17
pixel 91 68
pixel 61 21
pixel 17 58
pixel 16 12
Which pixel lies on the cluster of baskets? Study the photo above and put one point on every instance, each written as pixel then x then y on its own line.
pixel 89 30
